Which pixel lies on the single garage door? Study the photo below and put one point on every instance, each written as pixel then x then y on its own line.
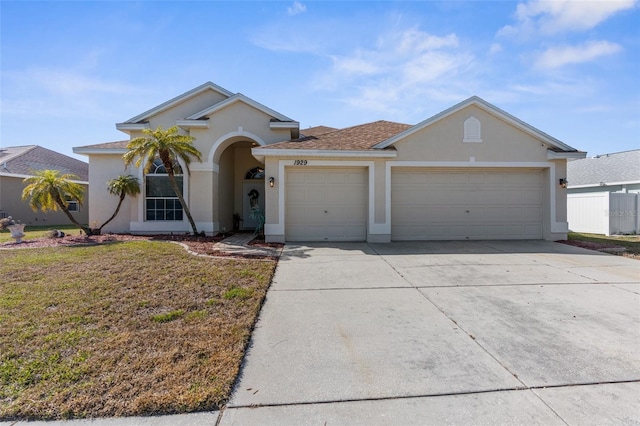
pixel 326 204
pixel 460 205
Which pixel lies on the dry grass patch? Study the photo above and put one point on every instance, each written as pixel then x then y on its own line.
pixel 631 243
pixel 128 328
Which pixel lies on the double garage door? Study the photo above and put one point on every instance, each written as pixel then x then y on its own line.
pixel 460 205
pixel 330 204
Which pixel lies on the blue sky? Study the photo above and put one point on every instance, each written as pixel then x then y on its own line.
pixel 71 70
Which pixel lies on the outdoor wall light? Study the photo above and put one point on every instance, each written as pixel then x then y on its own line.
pixel 563 182
pixel 272 181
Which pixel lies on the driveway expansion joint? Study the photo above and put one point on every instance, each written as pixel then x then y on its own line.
pixel 428 395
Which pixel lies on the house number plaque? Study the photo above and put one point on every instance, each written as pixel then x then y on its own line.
pixel 299 162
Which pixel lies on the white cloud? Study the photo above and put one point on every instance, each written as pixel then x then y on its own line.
pixel 552 17
pixel 559 56
pixel 70 83
pixel 495 48
pixel 355 65
pixel 60 93
pixel 397 71
pixel 296 8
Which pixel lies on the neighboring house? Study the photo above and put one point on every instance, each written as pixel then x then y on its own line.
pixel 18 163
pixel 616 172
pixel 604 193
pixel 471 172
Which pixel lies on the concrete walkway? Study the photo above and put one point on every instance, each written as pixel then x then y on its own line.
pixel 438 333
pixel 238 244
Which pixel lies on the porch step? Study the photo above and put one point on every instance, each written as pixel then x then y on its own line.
pixel 238 239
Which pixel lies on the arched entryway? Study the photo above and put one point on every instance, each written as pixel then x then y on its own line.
pixel 240 184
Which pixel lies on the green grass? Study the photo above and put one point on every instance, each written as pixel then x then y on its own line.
pixel 32 232
pixel 134 328
pixel 630 242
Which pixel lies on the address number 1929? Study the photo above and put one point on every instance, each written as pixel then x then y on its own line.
pixel 299 162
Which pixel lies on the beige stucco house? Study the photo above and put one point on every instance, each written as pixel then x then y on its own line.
pixel 472 171
pixel 20 162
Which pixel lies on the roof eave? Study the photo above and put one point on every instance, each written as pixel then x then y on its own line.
pixel 261 152
pixel 603 184
pixel 568 155
pixel 130 127
pixel 90 150
pixel 178 99
pixel 23 176
pixel 193 124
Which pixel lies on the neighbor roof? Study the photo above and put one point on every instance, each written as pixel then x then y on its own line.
pixel 24 160
pixel 617 167
pixel 357 138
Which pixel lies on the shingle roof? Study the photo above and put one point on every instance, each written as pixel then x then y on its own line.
pixel 607 168
pixel 106 145
pixel 317 130
pixel 24 160
pixel 356 138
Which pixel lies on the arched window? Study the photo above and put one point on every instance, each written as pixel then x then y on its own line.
pixel 472 130
pixel 161 201
pixel 255 173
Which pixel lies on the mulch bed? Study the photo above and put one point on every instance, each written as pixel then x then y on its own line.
pixel 199 245
pixel 603 247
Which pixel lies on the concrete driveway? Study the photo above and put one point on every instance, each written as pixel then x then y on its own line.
pixel 492 332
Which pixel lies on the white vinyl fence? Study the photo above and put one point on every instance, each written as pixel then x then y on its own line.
pixel 605 213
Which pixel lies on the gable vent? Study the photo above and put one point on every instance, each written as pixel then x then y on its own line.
pixel 472 130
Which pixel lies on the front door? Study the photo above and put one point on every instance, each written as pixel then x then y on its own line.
pixel 252 197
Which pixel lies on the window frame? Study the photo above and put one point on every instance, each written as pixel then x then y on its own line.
pixel 165 208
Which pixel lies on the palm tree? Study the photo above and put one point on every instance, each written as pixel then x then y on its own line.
pixel 120 186
pixel 48 190
pixel 169 146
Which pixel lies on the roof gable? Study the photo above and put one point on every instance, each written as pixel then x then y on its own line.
pixel 235 99
pixel 487 107
pixel 179 99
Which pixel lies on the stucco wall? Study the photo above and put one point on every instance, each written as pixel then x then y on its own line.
pixel 441 145
pixel 196 104
pixel 442 141
pixel 103 168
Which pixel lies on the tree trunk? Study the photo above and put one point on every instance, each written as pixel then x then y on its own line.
pixel 122 195
pixel 178 192
pixel 73 220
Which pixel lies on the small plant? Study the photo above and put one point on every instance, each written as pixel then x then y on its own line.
pixel 6 223
pixel 55 233
pixel 258 215
pixel 236 221
pixel 168 316
pixel 238 293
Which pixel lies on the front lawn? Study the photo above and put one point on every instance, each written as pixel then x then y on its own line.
pixel 127 328
pixel 33 232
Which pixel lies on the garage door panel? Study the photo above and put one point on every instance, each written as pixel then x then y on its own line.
pixel 326 204
pixel 502 204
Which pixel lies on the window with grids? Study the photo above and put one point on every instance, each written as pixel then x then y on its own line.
pixel 161 201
